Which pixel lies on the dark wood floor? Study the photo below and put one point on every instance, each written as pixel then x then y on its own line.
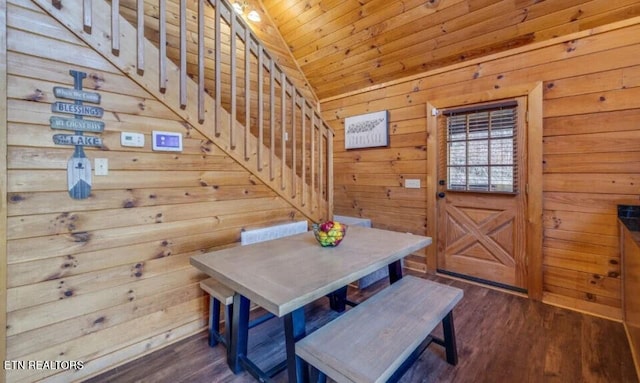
pixel 501 338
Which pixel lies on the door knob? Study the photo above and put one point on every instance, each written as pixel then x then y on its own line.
pixel 441 195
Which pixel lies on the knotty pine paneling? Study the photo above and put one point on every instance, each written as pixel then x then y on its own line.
pixel 3 180
pixel 346 46
pixel 623 162
pixel 586 202
pixel 106 279
pixel 590 153
pixel 599 122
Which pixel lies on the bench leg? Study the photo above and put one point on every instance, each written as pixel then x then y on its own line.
pixel 395 271
pixel 450 339
pixel 214 321
pixel 338 299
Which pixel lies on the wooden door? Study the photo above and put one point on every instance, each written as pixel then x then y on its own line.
pixel 481 223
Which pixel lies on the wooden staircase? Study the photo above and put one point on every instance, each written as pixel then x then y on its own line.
pixel 254 113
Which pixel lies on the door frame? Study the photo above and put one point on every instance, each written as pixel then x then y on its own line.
pixel 533 188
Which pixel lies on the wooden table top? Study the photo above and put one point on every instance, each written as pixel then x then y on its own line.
pixel 284 274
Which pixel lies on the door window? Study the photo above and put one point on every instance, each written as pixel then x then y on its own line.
pixel 482 148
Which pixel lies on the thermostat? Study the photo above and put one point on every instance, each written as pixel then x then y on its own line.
pixel 132 139
pixel 167 141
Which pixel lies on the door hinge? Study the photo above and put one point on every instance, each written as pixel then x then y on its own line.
pixel 526 189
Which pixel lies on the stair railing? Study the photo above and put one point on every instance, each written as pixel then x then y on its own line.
pixel 254 112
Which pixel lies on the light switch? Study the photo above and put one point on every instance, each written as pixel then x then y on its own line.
pixel 101 166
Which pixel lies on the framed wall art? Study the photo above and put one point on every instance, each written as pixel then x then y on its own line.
pixel 366 130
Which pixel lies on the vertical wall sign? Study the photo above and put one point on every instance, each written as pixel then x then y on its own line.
pixel 78 166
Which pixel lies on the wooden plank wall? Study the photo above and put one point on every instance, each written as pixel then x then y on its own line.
pixel 3 182
pixel 591 153
pixel 106 279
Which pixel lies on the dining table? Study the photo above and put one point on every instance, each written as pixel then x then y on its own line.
pixel 285 274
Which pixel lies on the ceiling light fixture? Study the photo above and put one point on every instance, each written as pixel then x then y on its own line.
pixel 239 8
pixel 254 16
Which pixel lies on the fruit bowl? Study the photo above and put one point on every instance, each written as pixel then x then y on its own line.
pixel 329 233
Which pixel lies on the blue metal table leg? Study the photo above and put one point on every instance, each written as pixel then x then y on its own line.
pixel 228 330
pixel 294 330
pixel 239 333
pixel 450 339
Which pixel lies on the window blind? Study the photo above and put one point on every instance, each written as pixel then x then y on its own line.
pixel 482 147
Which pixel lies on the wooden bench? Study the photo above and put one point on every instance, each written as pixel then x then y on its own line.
pixel 378 340
pixel 221 294
pixel 218 293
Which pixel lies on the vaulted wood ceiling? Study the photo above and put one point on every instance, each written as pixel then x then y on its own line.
pixel 333 47
pixel 346 45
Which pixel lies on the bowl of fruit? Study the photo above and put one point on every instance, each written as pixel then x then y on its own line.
pixel 329 233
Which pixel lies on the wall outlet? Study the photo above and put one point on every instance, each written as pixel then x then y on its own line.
pixel 412 183
pixel 101 166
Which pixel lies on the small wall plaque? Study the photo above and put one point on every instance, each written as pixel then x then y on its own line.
pixel 77 109
pixel 76 124
pixel 75 94
pixel 70 139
